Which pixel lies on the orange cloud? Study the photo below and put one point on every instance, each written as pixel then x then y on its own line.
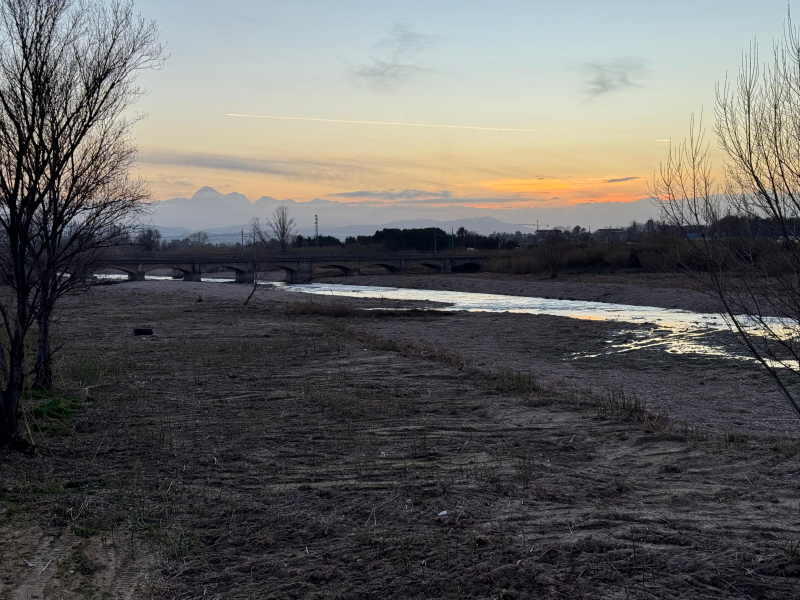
pixel 573 189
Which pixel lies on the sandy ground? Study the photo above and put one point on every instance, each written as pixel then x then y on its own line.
pixel 264 452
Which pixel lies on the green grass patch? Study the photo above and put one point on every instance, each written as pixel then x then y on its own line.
pixel 52 405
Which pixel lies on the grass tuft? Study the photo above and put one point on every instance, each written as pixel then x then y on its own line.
pixel 89 369
pixel 309 308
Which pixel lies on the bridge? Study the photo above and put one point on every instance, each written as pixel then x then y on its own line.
pixel 299 268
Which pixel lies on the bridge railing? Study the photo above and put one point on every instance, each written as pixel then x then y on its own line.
pixel 160 258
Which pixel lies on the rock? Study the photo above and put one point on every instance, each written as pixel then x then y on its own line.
pixel 142 331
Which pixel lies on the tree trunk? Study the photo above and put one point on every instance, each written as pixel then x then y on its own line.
pixel 3 366
pixel 43 369
pixel 9 423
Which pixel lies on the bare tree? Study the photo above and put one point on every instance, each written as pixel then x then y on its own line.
pixel 554 249
pixel 199 239
pixel 264 247
pixel 283 228
pixel 740 236
pixel 67 75
pixel 148 239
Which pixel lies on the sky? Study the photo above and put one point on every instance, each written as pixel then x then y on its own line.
pixel 429 105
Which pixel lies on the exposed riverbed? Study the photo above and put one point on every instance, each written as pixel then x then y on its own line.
pixel 672 330
pixel 678 362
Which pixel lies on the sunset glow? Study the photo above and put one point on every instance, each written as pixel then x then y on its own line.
pixel 346 102
pixel 573 190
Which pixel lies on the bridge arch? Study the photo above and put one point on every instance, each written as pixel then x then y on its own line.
pixel 292 275
pixel 342 268
pixel 242 274
pixel 137 272
pixel 439 268
pixel 285 269
pixel 391 269
pixel 236 269
pixel 467 267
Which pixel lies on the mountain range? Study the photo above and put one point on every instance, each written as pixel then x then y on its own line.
pixel 227 214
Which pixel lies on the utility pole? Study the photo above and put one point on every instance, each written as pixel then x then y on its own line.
pixel 537 224
pixel 452 240
pixel 316 229
pixel 434 240
pixel 242 240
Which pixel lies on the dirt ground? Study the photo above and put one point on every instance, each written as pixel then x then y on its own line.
pixel 289 449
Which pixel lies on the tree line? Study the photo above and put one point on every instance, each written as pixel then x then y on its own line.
pixel 426 239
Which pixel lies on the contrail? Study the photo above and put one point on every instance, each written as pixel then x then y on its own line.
pixel 383 123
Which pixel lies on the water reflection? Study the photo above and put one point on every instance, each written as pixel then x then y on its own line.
pixel 124 277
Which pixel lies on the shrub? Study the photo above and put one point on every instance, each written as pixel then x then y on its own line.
pixel 617 258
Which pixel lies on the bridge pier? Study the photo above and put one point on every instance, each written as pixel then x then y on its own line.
pixel 300 271
pixel 245 276
pixel 137 276
pixel 447 266
pixel 195 274
pixel 298 276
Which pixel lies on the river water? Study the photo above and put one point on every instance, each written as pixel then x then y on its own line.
pixel 670 330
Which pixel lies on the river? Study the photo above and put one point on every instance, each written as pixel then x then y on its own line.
pixel 671 330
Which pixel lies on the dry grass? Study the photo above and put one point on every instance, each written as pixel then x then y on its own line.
pixel 245 453
pixel 317 309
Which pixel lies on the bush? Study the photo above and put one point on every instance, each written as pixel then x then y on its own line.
pixel 617 258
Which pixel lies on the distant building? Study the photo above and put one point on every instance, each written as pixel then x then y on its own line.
pixel 543 234
pixel 610 236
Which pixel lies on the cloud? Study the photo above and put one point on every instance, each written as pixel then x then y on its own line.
pixel 442 198
pixel 394 194
pixel 394 60
pixel 620 180
pixel 473 201
pixel 453 202
pixel 605 77
pixel 293 170
pixel 570 189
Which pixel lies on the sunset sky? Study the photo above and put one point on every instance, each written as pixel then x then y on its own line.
pixel 596 87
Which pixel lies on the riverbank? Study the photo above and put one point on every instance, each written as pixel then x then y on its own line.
pixel 272 451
